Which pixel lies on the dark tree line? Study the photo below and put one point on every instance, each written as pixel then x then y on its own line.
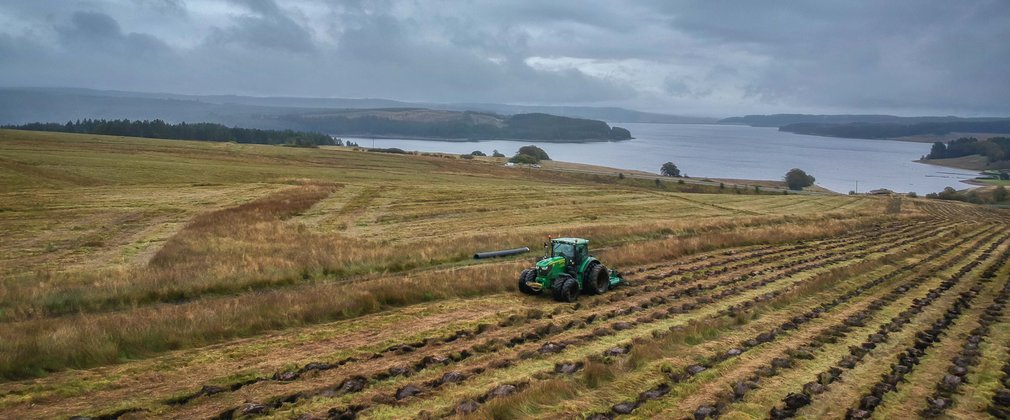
pixel 158 129
pixel 994 149
pixel 863 130
pixel 466 126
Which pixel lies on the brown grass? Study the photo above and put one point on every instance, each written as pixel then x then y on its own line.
pixel 267 238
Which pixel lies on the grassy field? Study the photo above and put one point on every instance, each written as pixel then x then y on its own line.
pixel 148 278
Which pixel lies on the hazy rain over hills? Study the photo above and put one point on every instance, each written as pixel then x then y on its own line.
pixel 905 57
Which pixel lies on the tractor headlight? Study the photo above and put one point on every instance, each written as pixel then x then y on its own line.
pixel 544 270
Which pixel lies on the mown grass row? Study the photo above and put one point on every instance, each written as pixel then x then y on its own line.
pixel 744 306
pixel 505 403
pixel 451 355
pixel 901 233
pixel 714 408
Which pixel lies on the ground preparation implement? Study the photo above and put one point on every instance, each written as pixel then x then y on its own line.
pixel 568 270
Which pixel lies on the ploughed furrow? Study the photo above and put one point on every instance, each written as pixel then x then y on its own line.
pixel 569 367
pixel 966 359
pixel 857 353
pixel 462 336
pixel 723 259
pixel 999 406
pixel 775 365
pixel 564 367
pixel 849 387
pixel 796 357
pixel 910 358
pixel 528 351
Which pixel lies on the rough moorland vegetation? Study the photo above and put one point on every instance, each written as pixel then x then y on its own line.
pixel 195 279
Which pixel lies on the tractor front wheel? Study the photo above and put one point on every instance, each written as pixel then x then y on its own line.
pixel 526 276
pixel 597 279
pixel 566 289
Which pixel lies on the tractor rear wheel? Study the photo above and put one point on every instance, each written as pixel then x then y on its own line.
pixel 527 275
pixel 566 289
pixel 597 280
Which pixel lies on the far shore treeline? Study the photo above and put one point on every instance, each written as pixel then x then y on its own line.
pixel 158 129
pixel 995 149
pixel 436 124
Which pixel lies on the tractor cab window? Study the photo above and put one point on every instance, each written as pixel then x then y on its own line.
pixel 580 253
pixel 561 249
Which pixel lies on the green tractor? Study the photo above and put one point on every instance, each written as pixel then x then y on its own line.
pixel 568 270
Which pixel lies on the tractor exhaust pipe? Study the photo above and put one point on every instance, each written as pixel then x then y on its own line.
pixel 502 253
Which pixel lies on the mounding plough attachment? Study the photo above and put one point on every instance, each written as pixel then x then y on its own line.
pixel 568 270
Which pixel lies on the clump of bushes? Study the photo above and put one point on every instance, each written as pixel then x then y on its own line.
pixel 530 155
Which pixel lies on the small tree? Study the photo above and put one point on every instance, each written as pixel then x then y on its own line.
pixel 999 194
pixel 669 169
pixel 796 179
pixel 534 151
pixel 620 175
pixel 527 159
pixel 477 153
pixel 496 153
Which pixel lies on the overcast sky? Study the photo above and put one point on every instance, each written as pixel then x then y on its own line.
pixel 706 57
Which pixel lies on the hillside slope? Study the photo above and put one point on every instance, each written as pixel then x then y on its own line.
pixel 150 278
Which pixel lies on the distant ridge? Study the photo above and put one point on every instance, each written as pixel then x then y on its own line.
pixel 47 104
pixel 382 118
pixel 779 120
pixel 874 126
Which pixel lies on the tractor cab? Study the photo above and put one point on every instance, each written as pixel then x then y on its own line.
pixel 573 250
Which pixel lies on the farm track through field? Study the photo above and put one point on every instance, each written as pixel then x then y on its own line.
pixel 896 232
pixel 767 296
pixel 770 364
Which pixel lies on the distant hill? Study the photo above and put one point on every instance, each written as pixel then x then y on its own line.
pixel 873 126
pixel 45 104
pixel 427 123
pixel 892 130
pixel 22 106
pixel 779 120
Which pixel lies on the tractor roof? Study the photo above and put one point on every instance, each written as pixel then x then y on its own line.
pixel 574 241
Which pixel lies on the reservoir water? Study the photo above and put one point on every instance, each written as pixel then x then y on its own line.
pixel 731 151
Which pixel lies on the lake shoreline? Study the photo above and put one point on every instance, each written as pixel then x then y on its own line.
pixel 970 163
pixel 462 140
pixel 734 152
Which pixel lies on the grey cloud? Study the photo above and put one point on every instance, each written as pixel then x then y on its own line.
pixel 714 57
pixel 102 33
pixel 267 26
pixel 172 7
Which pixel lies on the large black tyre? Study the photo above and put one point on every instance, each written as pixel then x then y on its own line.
pixel 597 280
pixel 527 275
pixel 566 289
